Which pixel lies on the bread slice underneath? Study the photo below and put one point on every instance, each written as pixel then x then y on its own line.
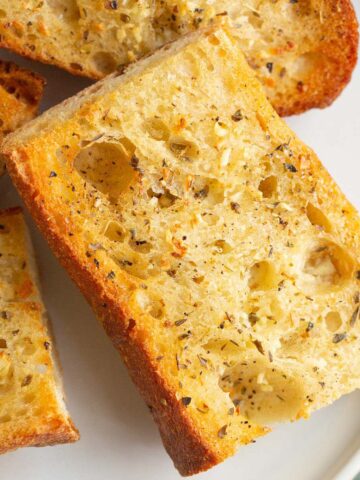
pixel 20 95
pixel 218 253
pixel 303 51
pixel 32 408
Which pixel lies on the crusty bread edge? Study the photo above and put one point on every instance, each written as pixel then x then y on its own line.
pixel 181 439
pixel 61 429
pixel 54 436
pixel 328 83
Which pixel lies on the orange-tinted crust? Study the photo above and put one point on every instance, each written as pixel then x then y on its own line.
pixel 183 443
pixel 340 48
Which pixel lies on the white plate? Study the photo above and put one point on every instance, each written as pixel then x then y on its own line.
pixel 118 437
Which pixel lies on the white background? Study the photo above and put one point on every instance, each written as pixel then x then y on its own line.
pixel 118 437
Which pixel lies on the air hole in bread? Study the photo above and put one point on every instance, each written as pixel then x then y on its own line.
pixel 106 166
pixel 67 10
pixel 157 309
pixel 183 149
pixel 210 218
pixel 221 246
pixel 268 186
pixel 157 129
pixel 134 265
pixel 263 393
pixel 208 191
pixel 141 246
pixel 104 62
pixel 317 217
pixel 333 321
pixel 165 199
pixel 262 276
pixel 115 232
pixel 326 265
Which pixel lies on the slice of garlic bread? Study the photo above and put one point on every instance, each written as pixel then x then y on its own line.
pixel 218 253
pixel 32 408
pixel 20 95
pixel 303 51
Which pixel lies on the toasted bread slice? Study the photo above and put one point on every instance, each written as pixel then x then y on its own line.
pixel 20 94
pixel 303 51
pixel 204 234
pixel 32 408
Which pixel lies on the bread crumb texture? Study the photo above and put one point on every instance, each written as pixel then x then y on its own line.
pixel 32 411
pixel 206 235
pixel 20 95
pixel 303 51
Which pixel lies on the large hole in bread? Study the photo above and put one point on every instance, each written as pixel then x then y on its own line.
pixel 326 265
pixel 183 149
pixel 208 191
pixel 104 62
pixel 165 198
pixel 333 321
pixel 67 10
pixel 222 247
pixel 134 265
pixel 115 232
pixel 157 129
pixel 317 217
pixel 263 276
pixel 263 393
pixel 140 246
pixel 106 166
pixel 268 186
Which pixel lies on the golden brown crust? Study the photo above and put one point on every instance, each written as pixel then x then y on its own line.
pixel 57 434
pixel 339 50
pixel 180 438
pixel 25 51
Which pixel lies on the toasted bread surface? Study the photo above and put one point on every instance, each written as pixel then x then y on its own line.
pixel 204 234
pixel 302 51
pixel 32 408
pixel 20 95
